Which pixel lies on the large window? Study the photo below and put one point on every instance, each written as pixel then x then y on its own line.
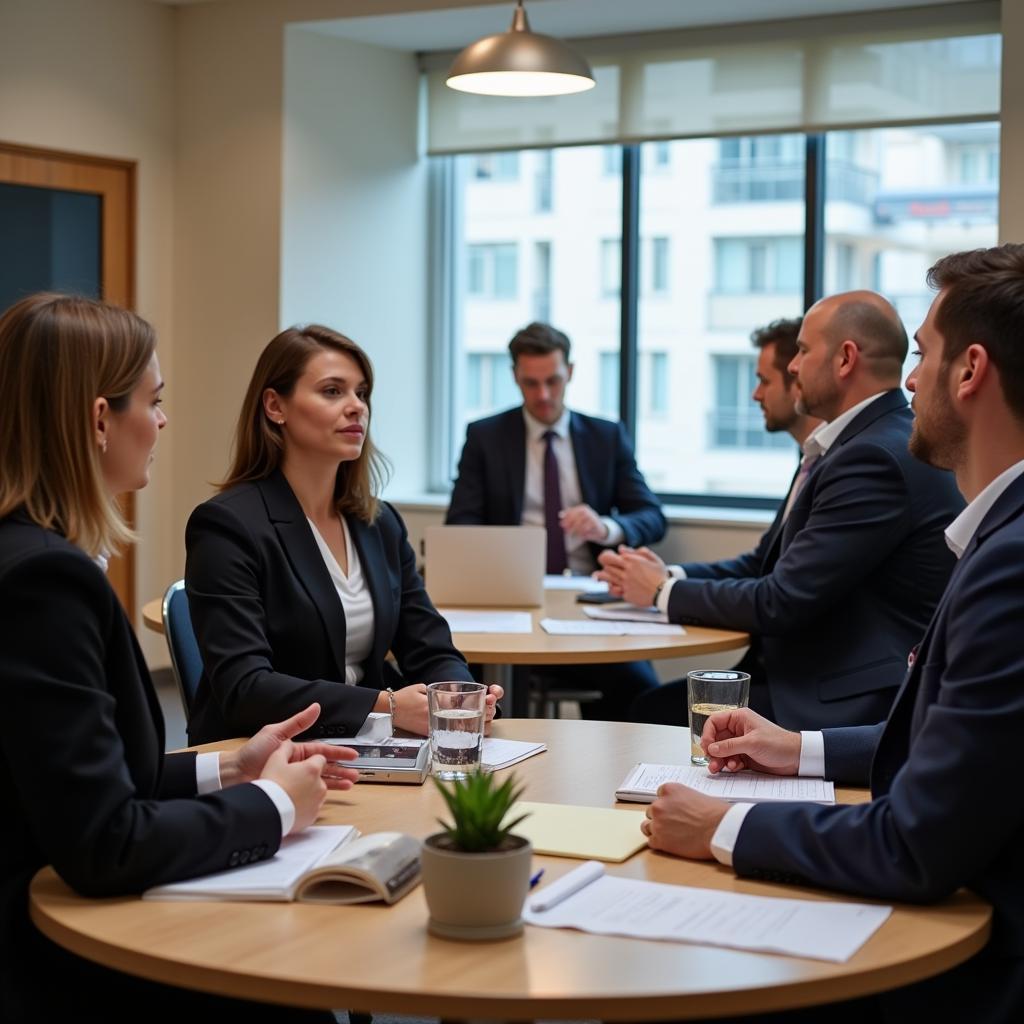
pixel 718 249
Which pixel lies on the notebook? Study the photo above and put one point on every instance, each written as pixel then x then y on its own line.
pixel 588 833
pixel 642 782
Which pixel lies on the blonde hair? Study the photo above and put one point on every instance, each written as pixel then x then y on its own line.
pixel 58 354
pixel 259 443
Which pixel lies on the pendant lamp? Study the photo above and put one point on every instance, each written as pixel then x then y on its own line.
pixel 520 63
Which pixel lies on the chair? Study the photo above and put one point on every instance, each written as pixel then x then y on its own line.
pixel 181 642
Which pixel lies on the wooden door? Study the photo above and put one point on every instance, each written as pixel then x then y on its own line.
pixel 25 171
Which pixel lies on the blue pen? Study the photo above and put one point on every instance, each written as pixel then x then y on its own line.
pixel 536 878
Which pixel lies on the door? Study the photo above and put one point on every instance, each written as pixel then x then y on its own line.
pixel 67 224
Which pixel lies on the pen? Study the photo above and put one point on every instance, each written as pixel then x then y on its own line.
pixel 536 878
pixel 567 886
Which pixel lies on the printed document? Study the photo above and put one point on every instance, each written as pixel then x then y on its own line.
pixel 641 785
pixel 624 612
pixel 587 584
pixel 464 621
pixel 582 627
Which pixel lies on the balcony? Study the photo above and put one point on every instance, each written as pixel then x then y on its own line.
pixel 743 428
pixel 738 181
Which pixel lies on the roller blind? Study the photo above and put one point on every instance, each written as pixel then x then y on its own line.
pixel 911 66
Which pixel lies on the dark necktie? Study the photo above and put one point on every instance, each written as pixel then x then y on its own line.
pixel 557 562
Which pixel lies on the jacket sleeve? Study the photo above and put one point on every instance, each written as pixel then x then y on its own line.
pixel 745 566
pixel 179 775
pixel 636 509
pixel 938 826
pixel 860 512
pixel 849 751
pixel 223 577
pixel 60 737
pixel 468 506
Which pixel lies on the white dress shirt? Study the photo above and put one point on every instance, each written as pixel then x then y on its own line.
pixel 812 745
pixel 577 553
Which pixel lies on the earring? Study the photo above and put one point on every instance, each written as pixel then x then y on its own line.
pixel 103 447
pixel 280 423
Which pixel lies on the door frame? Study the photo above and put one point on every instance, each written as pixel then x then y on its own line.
pixel 115 182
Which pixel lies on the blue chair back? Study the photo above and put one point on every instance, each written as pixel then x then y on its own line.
pixel 181 642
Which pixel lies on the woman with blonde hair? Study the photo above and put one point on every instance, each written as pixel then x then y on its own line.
pixel 299 579
pixel 84 781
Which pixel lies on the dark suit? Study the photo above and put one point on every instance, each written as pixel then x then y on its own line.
pixel 489 492
pixel 940 817
pixel 270 624
pixel 84 782
pixel 839 593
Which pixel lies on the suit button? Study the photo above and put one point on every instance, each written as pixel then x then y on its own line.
pixel 243 857
pixel 233 859
pixel 261 850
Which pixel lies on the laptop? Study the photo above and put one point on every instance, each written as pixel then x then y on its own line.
pixel 490 566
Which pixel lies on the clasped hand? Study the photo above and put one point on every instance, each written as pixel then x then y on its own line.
pixel 632 573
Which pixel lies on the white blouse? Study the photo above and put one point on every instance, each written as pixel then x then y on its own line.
pixel 355 600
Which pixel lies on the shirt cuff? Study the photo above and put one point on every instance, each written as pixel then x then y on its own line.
pixel 723 842
pixel 207 773
pixel 662 604
pixel 677 572
pixel 616 534
pixel 282 801
pixel 812 754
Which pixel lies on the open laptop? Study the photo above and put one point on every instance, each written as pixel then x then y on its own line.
pixel 491 566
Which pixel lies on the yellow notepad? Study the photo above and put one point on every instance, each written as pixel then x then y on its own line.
pixel 589 833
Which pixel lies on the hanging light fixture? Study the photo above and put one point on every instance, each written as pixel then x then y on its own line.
pixel 520 63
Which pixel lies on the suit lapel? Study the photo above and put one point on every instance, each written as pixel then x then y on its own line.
pixel 515 446
pixel 367 543
pixel 771 551
pixel 300 546
pixel 889 402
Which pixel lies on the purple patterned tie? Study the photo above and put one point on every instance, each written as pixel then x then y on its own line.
pixel 557 563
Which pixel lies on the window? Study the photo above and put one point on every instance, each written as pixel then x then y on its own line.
pixel 611 160
pixel 659 156
pixel 494 271
pixel 735 420
pixel 656 389
pixel 543 181
pixel 489 383
pixel 745 266
pixel 659 265
pixel 611 267
pixel 542 281
pixel 610 384
pixel 496 167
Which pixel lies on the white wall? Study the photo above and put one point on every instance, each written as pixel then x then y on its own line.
pixel 98 78
pixel 354 222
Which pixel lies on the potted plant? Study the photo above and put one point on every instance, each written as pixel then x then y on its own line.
pixel 476 873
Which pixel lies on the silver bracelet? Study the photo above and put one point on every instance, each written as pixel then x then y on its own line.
pixel 391 704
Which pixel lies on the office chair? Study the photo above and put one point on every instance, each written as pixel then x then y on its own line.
pixel 181 642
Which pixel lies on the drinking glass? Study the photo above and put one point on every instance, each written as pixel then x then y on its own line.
pixel 456 727
pixel 708 691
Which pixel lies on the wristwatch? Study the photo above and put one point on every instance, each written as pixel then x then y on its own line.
pixel 657 591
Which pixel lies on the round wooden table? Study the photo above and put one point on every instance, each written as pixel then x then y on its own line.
pixel 373 957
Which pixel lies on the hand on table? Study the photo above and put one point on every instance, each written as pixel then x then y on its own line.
pixel 584 522
pixel 682 821
pixel 494 694
pixel 632 573
pixel 250 761
pixel 741 738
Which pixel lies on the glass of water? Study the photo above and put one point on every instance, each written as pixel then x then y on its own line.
pixel 709 691
pixel 456 728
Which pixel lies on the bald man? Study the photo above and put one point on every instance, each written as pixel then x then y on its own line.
pixel 860 563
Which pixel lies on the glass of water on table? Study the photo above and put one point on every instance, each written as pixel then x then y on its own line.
pixel 709 691
pixel 456 728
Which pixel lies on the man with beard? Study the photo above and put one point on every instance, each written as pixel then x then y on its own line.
pixel 860 561
pixel 931 826
pixel 775 394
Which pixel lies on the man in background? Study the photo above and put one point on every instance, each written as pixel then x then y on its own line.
pixel 541 465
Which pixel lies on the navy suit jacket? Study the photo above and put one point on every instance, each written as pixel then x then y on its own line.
pixel 270 624
pixel 84 781
pixel 839 593
pixel 492 476
pixel 943 769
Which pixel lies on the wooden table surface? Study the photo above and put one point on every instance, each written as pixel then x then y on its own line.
pixel 372 957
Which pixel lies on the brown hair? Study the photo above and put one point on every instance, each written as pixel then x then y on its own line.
pixel 782 334
pixel 984 303
pixel 539 339
pixel 875 327
pixel 259 443
pixel 58 354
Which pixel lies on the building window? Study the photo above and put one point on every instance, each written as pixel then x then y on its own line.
pixel 735 420
pixel 656 391
pixel 542 281
pixel 496 167
pixel 611 267
pixel 609 385
pixel 543 182
pixel 493 270
pixel 756 266
pixel 611 160
pixel 489 383
pixel 659 265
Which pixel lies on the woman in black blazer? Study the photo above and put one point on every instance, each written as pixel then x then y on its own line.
pixel 299 579
pixel 84 782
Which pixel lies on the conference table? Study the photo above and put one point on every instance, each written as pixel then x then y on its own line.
pixel 506 657
pixel 376 958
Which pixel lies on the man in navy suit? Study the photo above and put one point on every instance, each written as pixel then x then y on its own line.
pixel 935 821
pixel 575 475
pixel 859 563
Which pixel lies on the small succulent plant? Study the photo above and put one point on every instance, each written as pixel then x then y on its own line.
pixel 478 808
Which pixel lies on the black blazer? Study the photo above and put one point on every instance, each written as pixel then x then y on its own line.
pixel 941 816
pixel 84 782
pixel 841 591
pixel 492 476
pixel 270 624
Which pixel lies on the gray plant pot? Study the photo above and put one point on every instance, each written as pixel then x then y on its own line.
pixel 474 896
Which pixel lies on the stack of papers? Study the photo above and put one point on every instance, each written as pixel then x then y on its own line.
pixel 587 584
pixel 497 754
pixel 641 785
pixel 582 627
pixel 462 621
pixel 624 612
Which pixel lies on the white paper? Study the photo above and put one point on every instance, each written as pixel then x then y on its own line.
pixel 273 879
pixel 820 930
pixel 463 621
pixel 586 584
pixel 623 613
pixel 643 781
pixel 497 754
pixel 583 627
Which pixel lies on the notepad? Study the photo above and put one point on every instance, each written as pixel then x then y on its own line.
pixel 624 612
pixel 462 620
pixel 641 785
pixel 582 627
pixel 589 833
pixel 586 584
pixel 497 753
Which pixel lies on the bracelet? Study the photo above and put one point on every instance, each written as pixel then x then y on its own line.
pixel 657 591
pixel 391 704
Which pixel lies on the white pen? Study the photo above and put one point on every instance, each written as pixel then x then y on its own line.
pixel 567 886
